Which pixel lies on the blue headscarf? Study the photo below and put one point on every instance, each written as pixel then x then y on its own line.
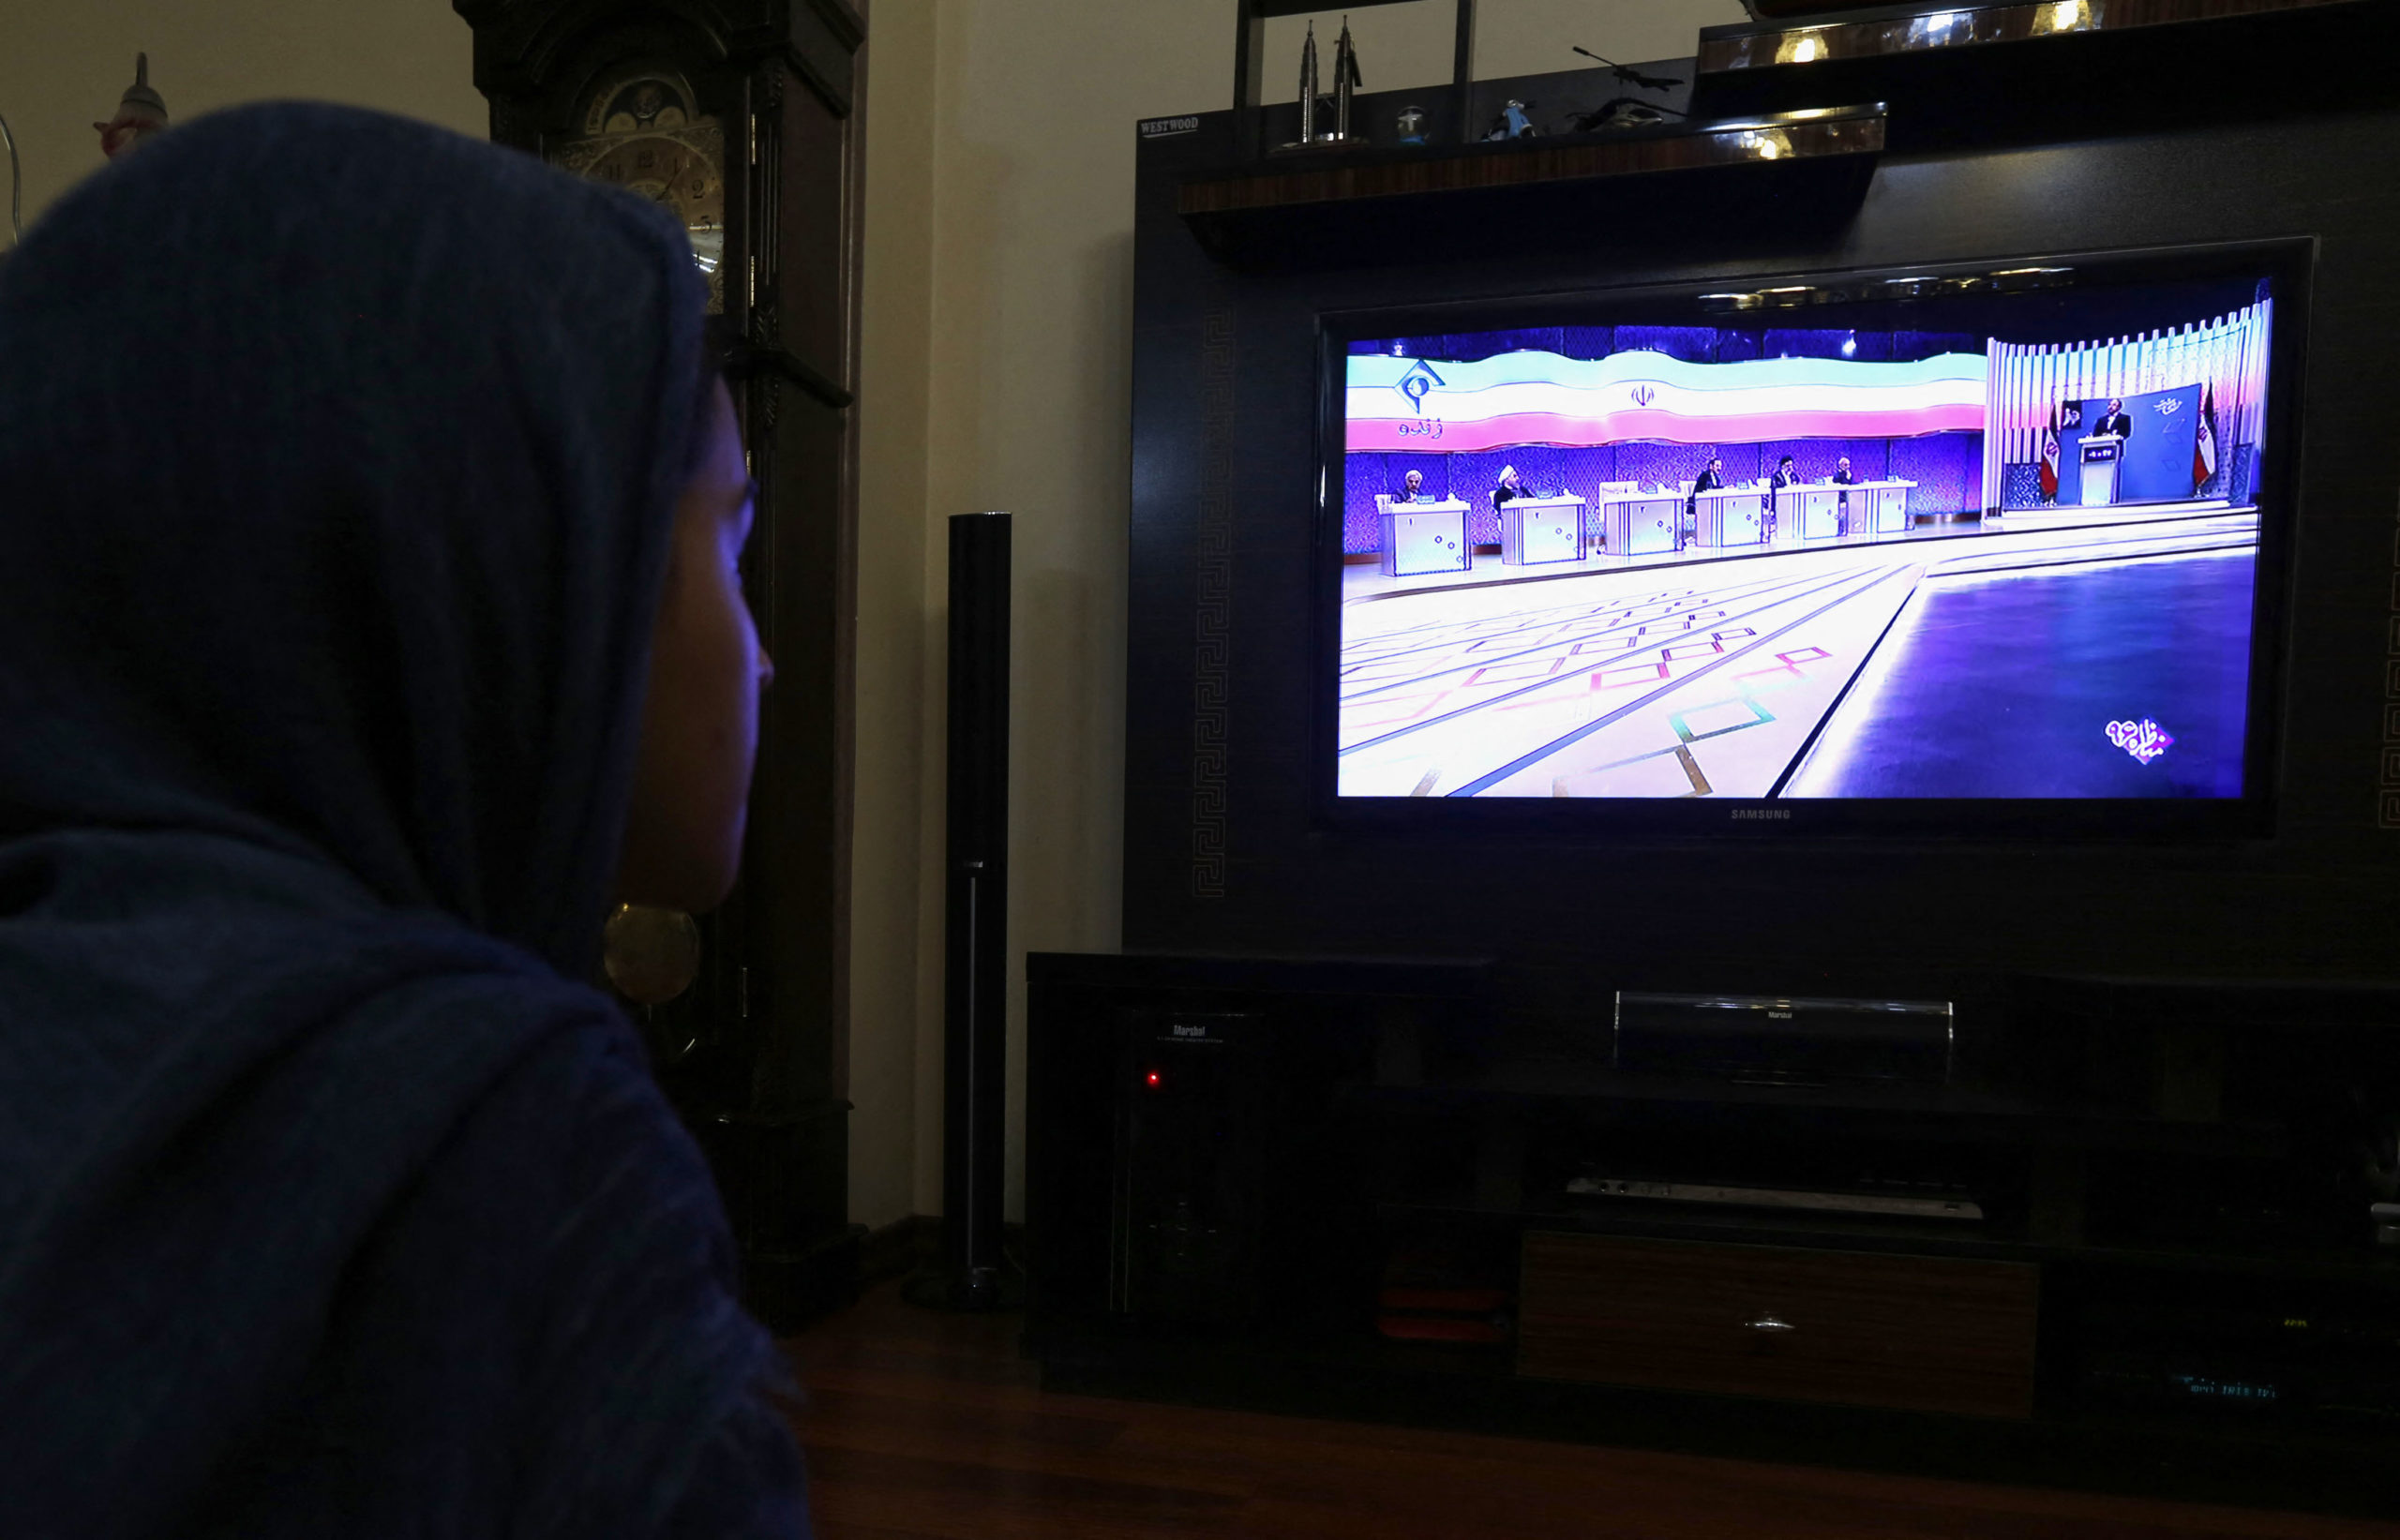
pixel 338 460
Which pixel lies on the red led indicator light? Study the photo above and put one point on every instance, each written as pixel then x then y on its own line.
pixel 1152 1077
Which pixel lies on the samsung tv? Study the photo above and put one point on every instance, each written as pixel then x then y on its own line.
pixel 1984 548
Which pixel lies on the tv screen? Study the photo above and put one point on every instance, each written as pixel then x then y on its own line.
pixel 1948 547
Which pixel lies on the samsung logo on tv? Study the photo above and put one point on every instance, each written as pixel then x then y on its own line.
pixel 1161 127
pixel 1760 815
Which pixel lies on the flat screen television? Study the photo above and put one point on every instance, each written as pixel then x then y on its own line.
pixel 1990 549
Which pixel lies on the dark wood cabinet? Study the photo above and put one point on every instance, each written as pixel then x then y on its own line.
pixel 1379 1204
pixel 1927 1334
pixel 744 117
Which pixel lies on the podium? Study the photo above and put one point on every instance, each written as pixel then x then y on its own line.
pixel 1810 512
pixel 1641 523
pixel 1887 507
pixel 1866 507
pixel 2104 455
pixel 1422 537
pixel 1537 532
pixel 1735 515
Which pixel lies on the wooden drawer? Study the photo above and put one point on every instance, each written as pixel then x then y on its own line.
pixel 1916 1333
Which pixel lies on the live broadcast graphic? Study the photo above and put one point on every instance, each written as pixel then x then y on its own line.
pixel 1653 561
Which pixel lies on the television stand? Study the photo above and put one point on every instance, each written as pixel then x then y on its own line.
pixel 1362 1200
pixel 1887 1205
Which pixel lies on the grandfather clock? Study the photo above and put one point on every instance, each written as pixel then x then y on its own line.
pixel 742 118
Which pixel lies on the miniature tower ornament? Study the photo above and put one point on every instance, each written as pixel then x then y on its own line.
pixel 16 188
pixel 139 115
pixel 1308 89
pixel 1345 81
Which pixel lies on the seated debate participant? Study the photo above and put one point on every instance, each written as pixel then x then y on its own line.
pixel 1510 488
pixel 2115 423
pixel 1842 477
pixel 1711 480
pixel 1786 474
pixel 1412 489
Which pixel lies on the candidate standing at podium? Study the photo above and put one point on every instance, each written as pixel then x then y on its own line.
pixel 1711 480
pixel 1412 489
pixel 1842 477
pixel 2115 423
pixel 1786 474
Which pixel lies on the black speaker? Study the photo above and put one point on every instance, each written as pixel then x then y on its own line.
pixel 973 1274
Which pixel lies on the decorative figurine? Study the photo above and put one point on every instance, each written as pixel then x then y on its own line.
pixel 1411 125
pixel 1631 76
pixel 1307 93
pixel 1512 122
pixel 139 115
pixel 1626 112
pixel 1620 112
pixel 16 188
pixel 1345 81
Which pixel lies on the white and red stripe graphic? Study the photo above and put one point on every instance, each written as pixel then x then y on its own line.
pixel 1404 404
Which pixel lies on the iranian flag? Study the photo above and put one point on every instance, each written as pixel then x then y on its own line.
pixel 2050 457
pixel 2204 448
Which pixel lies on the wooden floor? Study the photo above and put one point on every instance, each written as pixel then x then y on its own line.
pixel 924 1425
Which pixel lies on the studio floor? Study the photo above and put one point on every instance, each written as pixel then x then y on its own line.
pixel 924 1427
pixel 1982 663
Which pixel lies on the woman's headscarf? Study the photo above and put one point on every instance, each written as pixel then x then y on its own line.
pixel 337 458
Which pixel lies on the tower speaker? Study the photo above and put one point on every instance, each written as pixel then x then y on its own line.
pixel 973 1275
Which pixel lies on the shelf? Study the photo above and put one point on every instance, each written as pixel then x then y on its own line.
pixel 2093 65
pixel 1967 1241
pixel 1912 29
pixel 1948 1112
pixel 2132 1452
pixel 1436 202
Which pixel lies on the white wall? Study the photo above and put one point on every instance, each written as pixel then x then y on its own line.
pixel 64 64
pixel 998 290
pixel 997 296
pixel 1406 45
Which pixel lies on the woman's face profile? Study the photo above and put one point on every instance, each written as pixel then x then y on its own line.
pixel 700 725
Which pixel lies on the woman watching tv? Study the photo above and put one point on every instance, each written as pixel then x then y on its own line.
pixel 369 514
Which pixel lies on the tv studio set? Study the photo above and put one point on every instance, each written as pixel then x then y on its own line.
pixel 1650 560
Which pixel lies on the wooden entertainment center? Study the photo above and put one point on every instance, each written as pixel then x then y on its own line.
pixel 1343 1189
pixel 1280 1154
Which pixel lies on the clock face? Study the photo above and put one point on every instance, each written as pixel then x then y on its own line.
pixel 642 135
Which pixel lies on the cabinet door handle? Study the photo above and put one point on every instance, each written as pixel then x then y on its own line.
pixel 1767 1324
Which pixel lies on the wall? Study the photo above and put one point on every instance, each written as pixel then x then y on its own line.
pixel 1406 45
pixel 996 368
pixel 63 64
pixel 997 297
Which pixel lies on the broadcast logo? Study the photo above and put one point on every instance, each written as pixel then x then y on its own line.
pixel 2144 740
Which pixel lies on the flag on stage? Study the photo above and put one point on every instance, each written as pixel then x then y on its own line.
pixel 2204 449
pixel 2050 457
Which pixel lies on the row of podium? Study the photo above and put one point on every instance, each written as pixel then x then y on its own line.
pixel 1421 538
